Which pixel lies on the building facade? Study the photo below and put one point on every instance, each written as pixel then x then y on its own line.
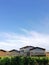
pixel 37 51
pixel 25 51
pixel 47 54
pixel 2 52
pixel 32 51
pixel 9 53
pixel 14 53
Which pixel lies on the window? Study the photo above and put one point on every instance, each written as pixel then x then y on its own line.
pixel 22 51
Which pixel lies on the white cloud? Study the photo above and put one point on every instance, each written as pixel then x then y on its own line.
pixel 16 41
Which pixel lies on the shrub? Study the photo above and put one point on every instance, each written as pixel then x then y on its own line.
pixel 32 61
pixel 39 61
pixel 24 61
pixel 16 61
pixel 5 61
pixel 45 61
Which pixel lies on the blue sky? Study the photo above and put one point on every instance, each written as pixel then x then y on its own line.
pixel 24 18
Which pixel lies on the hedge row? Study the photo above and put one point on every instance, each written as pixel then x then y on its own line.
pixel 24 61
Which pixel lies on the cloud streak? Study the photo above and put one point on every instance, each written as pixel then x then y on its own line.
pixel 15 41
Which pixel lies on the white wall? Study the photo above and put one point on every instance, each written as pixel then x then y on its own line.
pixel 25 50
pixel 37 52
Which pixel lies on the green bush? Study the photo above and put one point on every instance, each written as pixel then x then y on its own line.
pixel 39 61
pixel 45 61
pixel 24 61
pixel 32 61
pixel 5 61
pixel 42 61
pixel 16 61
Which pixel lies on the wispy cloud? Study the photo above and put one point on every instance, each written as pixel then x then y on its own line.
pixel 13 40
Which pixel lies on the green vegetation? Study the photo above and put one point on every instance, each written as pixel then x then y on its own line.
pixel 24 61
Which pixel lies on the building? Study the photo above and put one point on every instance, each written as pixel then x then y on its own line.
pixel 37 51
pixel 25 51
pixel 2 52
pixel 9 53
pixel 32 51
pixel 13 53
pixel 47 53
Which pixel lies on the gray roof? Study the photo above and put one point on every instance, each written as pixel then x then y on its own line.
pixel 2 50
pixel 14 50
pixel 37 48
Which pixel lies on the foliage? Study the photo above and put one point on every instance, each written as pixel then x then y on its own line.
pixel 24 61
pixel 5 61
pixel 16 61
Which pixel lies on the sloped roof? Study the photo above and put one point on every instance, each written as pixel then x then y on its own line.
pixel 2 50
pixel 37 48
pixel 14 50
pixel 26 47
